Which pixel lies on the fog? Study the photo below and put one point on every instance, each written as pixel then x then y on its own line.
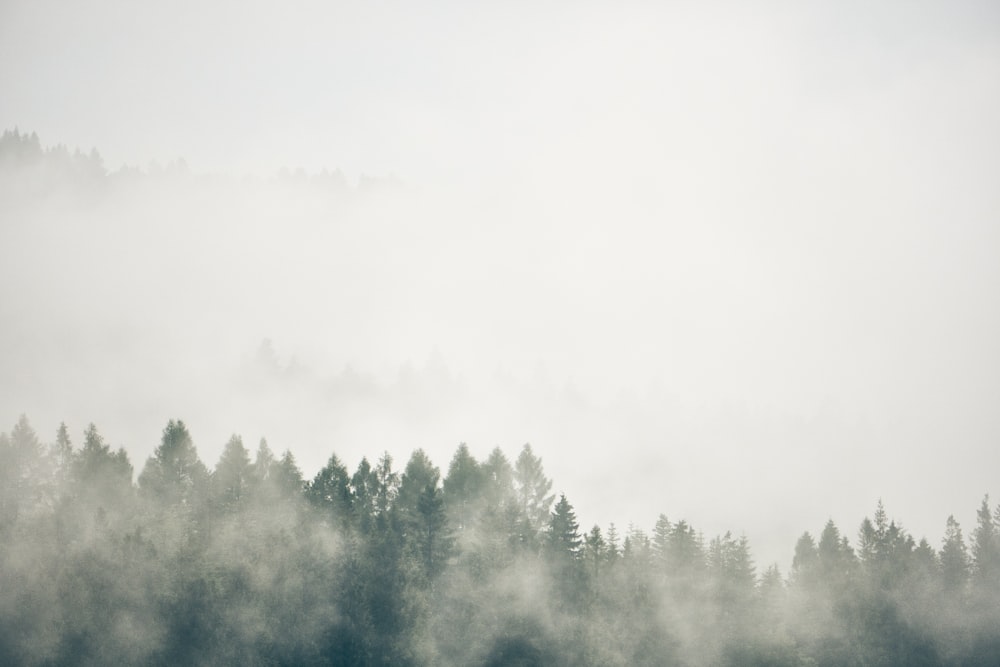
pixel 738 266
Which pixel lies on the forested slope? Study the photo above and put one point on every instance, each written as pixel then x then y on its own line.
pixel 248 563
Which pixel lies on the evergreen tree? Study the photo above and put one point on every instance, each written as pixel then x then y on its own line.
pixel 805 562
pixel 954 559
pixel 564 531
pixel 173 474
pixel 22 463
pixel 433 537
pixel 462 488
pixel 422 513
pixel 101 478
pixel 62 455
pixel 417 476
pixel 661 543
pixel 499 480
pixel 614 550
pixel 533 497
pixel 330 492
pixel 835 557
pixel 363 490
pixel 286 476
pixel 231 480
pixel 563 544
pixel 686 555
pixel 263 464
pixel 986 554
pixel 594 551
pixel 386 490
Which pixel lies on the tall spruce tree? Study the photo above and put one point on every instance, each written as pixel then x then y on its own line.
pixel 954 559
pixel 533 497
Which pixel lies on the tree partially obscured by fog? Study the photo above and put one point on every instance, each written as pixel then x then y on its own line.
pixel 249 563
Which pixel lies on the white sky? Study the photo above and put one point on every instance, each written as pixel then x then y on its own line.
pixel 787 219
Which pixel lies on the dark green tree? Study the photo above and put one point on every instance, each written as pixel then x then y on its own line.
pixel 431 533
pixel 564 532
pixel 417 476
pixel 330 492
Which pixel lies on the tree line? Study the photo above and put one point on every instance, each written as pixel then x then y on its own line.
pixel 249 563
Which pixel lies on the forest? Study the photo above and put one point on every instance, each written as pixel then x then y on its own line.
pixel 246 562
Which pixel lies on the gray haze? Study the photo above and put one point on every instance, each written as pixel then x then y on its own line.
pixel 740 267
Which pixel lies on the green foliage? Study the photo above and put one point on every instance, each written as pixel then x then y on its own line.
pixel 330 492
pixel 564 532
pixel 251 565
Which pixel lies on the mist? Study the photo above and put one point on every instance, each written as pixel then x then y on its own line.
pixel 736 265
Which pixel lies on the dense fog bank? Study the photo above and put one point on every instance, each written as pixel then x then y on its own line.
pixel 385 316
pixel 247 562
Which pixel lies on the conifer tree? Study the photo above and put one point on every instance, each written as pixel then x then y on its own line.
pixel 954 559
pixel 564 531
pixel 532 489
pixel 661 543
pixel 173 474
pixel 330 492
pixel 986 553
pixel 231 478
pixel 462 488
pixel 594 551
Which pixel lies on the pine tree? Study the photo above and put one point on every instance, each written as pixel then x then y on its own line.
pixel 614 549
pixel 287 477
pixel 418 475
pixel 805 563
pixel 563 544
pixel 462 488
pixel 231 478
pixel 174 474
pixel 499 480
pixel 594 551
pixel 954 559
pixel 386 490
pixel 661 543
pixel 330 492
pixel 564 531
pixel 835 556
pixel 434 538
pixel 62 455
pixel 986 553
pixel 363 490
pixel 532 489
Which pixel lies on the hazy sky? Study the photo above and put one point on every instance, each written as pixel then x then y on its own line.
pixel 761 246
